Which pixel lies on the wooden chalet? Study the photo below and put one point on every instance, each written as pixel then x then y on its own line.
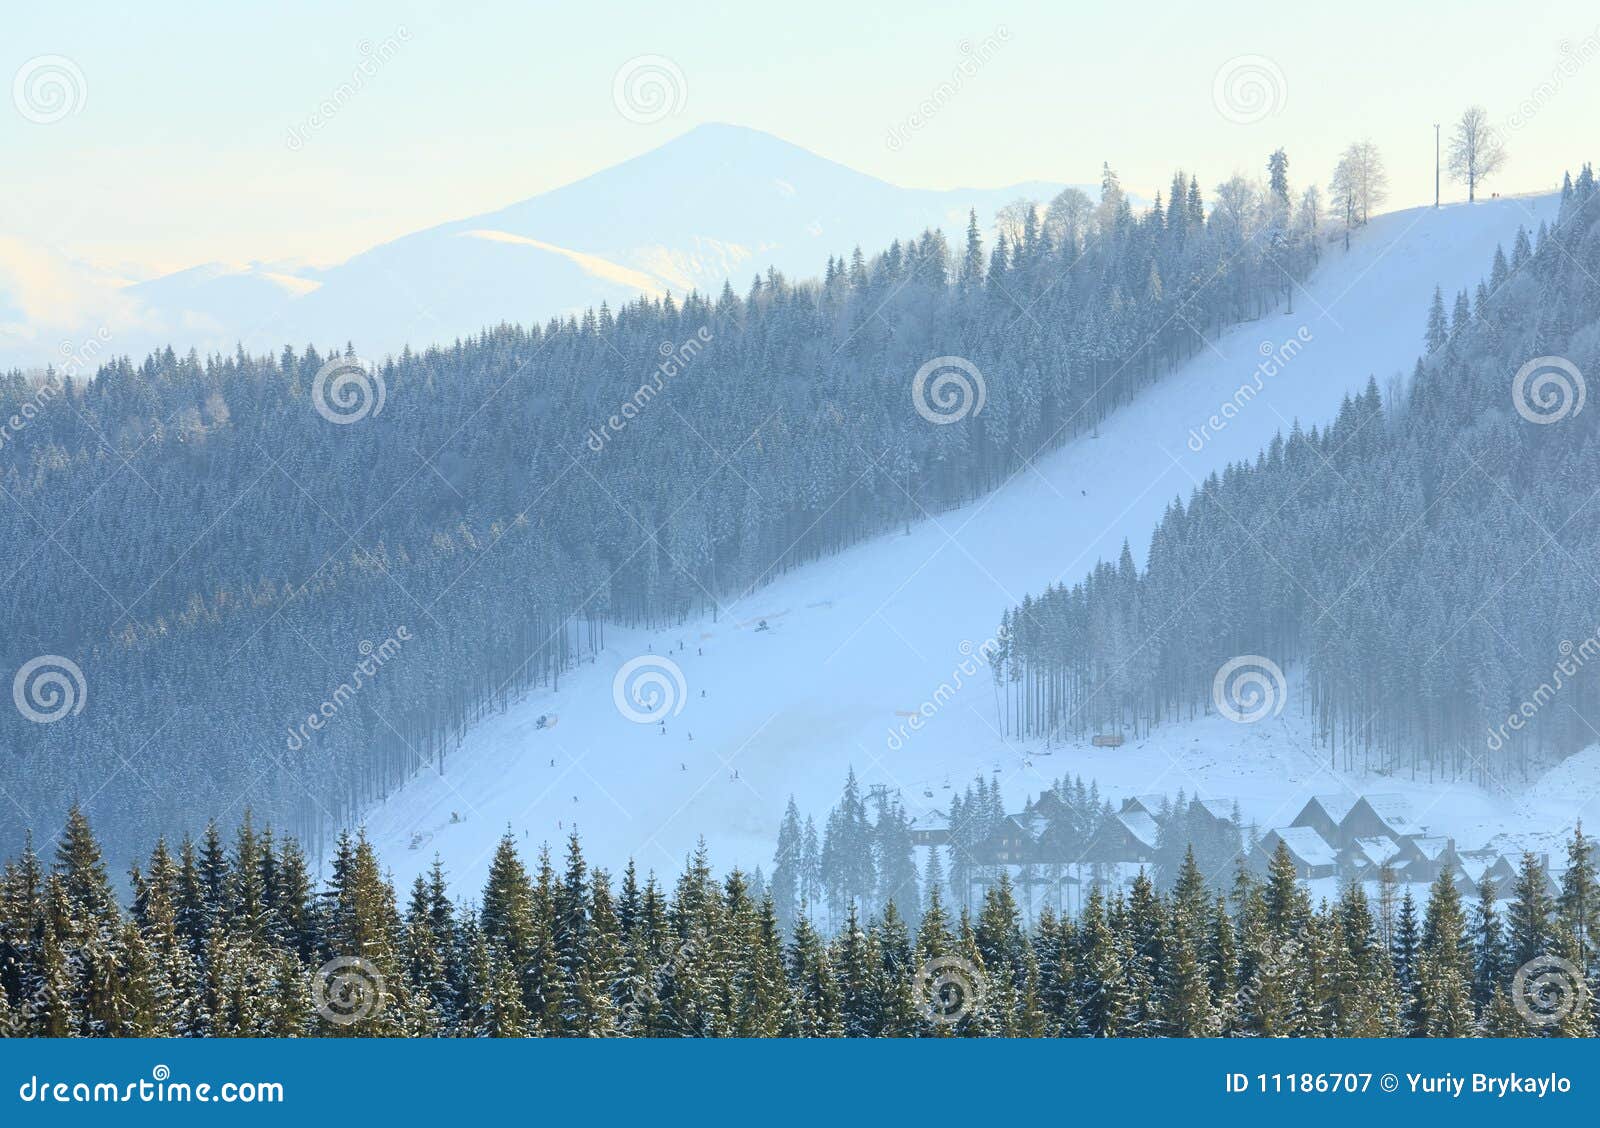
pixel 1313 855
pixel 1375 816
pixel 1325 814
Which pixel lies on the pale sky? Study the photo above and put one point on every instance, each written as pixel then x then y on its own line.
pixel 177 150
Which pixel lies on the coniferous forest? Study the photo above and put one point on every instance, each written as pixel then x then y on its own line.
pixel 996 561
pixel 235 939
pixel 216 556
pixel 1422 566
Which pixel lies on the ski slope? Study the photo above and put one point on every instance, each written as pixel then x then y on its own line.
pixel 857 641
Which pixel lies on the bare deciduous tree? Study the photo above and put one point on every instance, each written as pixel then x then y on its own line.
pixel 1069 215
pixel 1360 184
pixel 1476 150
pixel 1012 219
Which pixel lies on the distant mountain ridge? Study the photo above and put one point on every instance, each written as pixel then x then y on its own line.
pixel 719 203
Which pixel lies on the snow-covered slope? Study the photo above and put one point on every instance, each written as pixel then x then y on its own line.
pixel 856 643
pixel 719 203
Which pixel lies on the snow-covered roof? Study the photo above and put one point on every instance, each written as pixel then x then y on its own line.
pixel 931 820
pixel 1431 846
pixel 1141 826
pixel 1150 803
pixel 1376 851
pixel 1032 823
pixel 1219 809
pixel 1336 807
pixel 1048 799
pixel 1394 811
pixel 1305 844
pixel 1480 864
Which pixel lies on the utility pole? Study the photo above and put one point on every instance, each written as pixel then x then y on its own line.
pixel 1435 164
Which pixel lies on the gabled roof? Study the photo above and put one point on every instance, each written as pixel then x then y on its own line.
pixel 1375 851
pixel 1219 809
pixel 1141 826
pixel 1336 807
pixel 1481 863
pixel 931 820
pixel 1431 846
pixel 1049 799
pixel 1150 803
pixel 1030 823
pixel 1394 811
pixel 1305 844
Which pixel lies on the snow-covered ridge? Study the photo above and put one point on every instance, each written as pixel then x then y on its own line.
pixel 718 203
pixel 856 644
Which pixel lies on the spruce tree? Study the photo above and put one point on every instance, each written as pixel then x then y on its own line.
pixel 1530 933
pixel 1578 906
pixel 1490 963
